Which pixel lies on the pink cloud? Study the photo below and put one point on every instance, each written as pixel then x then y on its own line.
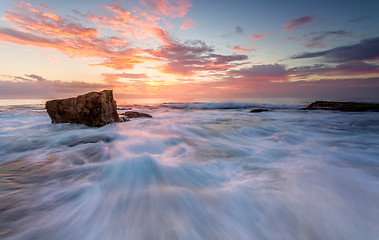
pixel 33 20
pixel 258 36
pixel 242 49
pixel 130 24
pixel 46 7
pixel 47 30
pixel 168 8
pixel 187 24
pixel 296 23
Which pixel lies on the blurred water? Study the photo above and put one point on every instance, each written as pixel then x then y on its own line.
pixel 210 172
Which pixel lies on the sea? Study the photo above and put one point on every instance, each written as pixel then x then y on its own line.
pixel 197 170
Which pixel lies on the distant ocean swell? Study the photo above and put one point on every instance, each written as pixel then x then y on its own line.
pixel 218 173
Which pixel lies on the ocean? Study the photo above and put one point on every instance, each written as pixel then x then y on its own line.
pixel 196 170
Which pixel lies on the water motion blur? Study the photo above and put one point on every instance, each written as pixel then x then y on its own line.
pixel 194 171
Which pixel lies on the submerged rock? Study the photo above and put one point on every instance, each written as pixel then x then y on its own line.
pixel 93 109
pixel 258 110
pixel 93 139
pixel 343 106
pixel 134 114
pixel 124 119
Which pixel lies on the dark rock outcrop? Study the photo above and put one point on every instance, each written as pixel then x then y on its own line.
pixel 93 109
pixel 134 114
pixel 343 106
pixel 258 110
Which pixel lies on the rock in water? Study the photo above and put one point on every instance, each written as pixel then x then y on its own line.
pixel 258 110
pixel 343 106
pixel 93 109
pixel 134 114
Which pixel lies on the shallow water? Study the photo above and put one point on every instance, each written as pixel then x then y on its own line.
pixel 194 171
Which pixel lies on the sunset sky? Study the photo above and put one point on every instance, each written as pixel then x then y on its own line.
pixel 189 49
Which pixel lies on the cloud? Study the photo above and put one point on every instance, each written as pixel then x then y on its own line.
pixel 168 8
pixel 239 30
pixel 34 20
pixel 35 86
pixel 258 36
pixel 23 38
pixel 138 25
pixel 37 28
pixel 279 73
pixel 187 24
pixel 316 38
pixel 242 49
pixel 262 72
pixel 296 23
pixel 360 19
pixel 186 58
pixel 367 49
pixel 345 69
pixel 113 78
pixel 105 48
pixel 46 7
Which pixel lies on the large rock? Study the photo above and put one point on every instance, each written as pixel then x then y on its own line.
pixel 343 106
pixel 93 109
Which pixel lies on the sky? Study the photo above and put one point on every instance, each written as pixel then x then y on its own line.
pixel 189 49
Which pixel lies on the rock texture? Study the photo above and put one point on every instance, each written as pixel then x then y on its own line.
pixel 124 119
pixel 258 110
pixel 93 109
pixel 134 114
pixel 343 106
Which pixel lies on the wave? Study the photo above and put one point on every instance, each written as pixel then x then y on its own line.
pixel 225 105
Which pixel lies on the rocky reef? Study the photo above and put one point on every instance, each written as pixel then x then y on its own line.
pixel 343 106
pixel 93 109
pixel 134 114
pixel 258 110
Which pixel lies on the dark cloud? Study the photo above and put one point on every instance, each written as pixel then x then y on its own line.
pixel 188 57
pixel 350 68
pixel 35 86
pixel 295 23
pixel 30 38
pixel 360 19
pixel 316 39
pixel 239 30
pixel 277 72
pixel 268 72
pixel 367 49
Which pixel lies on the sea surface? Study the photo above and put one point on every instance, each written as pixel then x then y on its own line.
pixel 196 170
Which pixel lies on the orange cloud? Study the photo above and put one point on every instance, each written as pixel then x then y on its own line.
pixel 187 24
pixel 48 30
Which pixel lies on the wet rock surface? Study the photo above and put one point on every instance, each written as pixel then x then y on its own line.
pixel 343 106
pixel 258 110
pixel 134 114
pixel 93 109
